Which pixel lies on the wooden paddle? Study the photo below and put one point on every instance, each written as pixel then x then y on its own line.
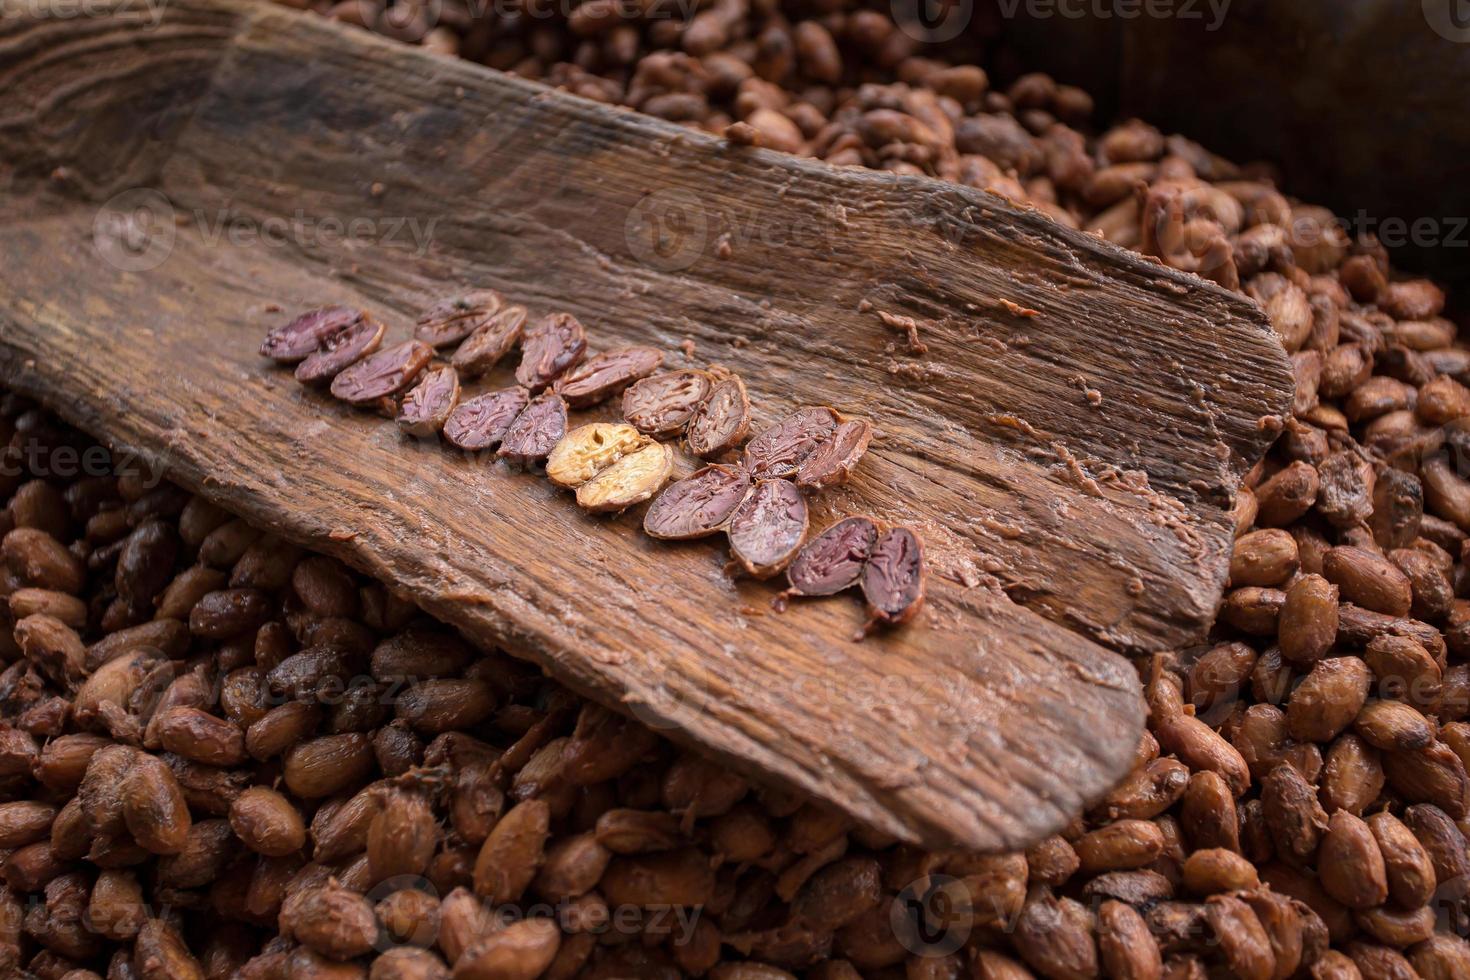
pixel 1066 443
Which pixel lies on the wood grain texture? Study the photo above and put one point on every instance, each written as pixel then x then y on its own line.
pixel 1057 525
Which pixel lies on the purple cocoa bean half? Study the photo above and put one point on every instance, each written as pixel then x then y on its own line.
pixel 428 405
pixel 833 561
pixel 833 461
pixel 607 374
pixel 553 347
pixel 294 341
pixel 721 420
pixel 340 351
pixel 699 505
pixel 535 432
pixel 893 577
pixel 491 341
pixel 384 374
pixel 453 319
pixel 663 404
pixel 768 527
pixel 482 421
pixel 780 450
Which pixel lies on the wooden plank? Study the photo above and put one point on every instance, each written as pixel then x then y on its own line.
pixel 1055 522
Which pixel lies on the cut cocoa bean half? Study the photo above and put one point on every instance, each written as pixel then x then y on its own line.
pixel 428 405
pixel 605 375
pixel 453 319
pixel 535 431
pixel 721 421
pixel 633 479
pixel 833 461
pixel 588 450
pixel 303 336
pixel 384 374
pixel 893 577
pixel 550 349
pixel 661 405
pixel 481 422
pixel 699 505
pixel 490 342
pixel 767 529
pixel 780 450
pixel 833 561
pixel 340 351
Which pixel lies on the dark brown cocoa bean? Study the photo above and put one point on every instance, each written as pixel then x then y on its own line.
pixel 229 612
pixel 267 822
pixel 328 765
pixel 153 806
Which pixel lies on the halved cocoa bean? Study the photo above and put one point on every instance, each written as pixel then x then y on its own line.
pixel 893 578
pixel 535 431
pixel 491 341
pixel 294 341
pixel 553 347
pixel 607 374
pixel 768 527
pixel 384 374
pixel 451 320
pixel 833 560
pixel 699 505
pixel 429 404
pixel 780 450
pixel 631 480
pixel 721 420
pixel 833 460
pixel 482 421
pixel 588 450
pixel 340 351
pixel 663 404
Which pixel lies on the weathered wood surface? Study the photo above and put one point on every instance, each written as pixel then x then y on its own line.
pixel 990 721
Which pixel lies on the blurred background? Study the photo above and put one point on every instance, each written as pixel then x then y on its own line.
pixel 1361 103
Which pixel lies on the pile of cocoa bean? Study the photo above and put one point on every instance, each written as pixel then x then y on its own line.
pixel 1298 808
